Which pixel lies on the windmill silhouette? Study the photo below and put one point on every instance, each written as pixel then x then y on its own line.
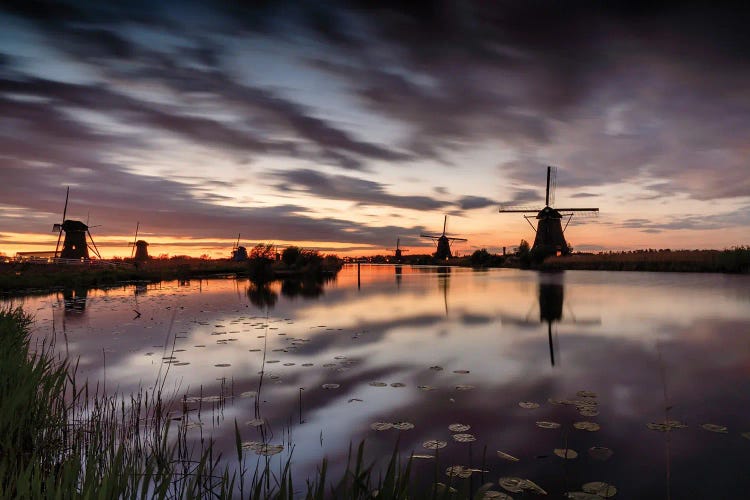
pixel 75 245
pixel 140 247
pixel 550 233
pixel 239 253
pixel 443 251
pixel 397 251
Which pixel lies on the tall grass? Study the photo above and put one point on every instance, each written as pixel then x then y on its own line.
pixel 58 440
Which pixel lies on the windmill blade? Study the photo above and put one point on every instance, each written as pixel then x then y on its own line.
pixel 95 249
pixel 577 209
pixel 65 211
pixel 519 210
pixel 429 236
pixel 552 185
pixel 135 239
pixel 445 222
pixel 457 239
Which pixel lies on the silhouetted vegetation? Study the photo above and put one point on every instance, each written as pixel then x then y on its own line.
pixel 735 260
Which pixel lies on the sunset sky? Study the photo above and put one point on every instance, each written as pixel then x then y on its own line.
pixel 344 126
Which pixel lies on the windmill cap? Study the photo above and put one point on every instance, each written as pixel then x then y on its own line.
pixel 74 225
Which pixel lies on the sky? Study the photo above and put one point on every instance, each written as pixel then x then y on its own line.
pixel 344 126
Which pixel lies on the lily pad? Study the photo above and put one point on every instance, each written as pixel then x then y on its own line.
pixel 434 444
pixel 425 388
pixel 599 488
pixel 582 495
pixel 586 394
pixel 422 456
pixel 528 405
pixel 248 394
pixel 461 372
pixel 330 386
pixel 745 435
pixel 600 453
pixel 512 484
pixel 464 387
pixel 222 365
pixel 381 426
pixel 566 453
pixel 547 425
pixel 256 422
pixel 464 438
pixel 715 428
pixel 459 427
pixel 403 426
pixel 269 449
pixel 436 368
pixel 398 384
pixel 506 456
pixel 378 384
pixel 587 426
pixel 458 471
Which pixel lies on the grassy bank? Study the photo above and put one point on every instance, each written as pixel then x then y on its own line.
pixel 58 440
pixel 736 260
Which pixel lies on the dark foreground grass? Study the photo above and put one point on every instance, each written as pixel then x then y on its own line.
pixel 58 440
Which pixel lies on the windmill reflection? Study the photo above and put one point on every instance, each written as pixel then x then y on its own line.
pixel 74 300
pixel 444 275
pixel 261 295
pixel 399 275
pixel 551 299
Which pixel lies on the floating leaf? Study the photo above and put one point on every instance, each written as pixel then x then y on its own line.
pixel 600 453
pixel 256 422
pixel 512 484
pixel 586 394
pixel 403 426
pixel 599 488
pixel 464 387
pixel 425 387
pixel 715 428
pixel 464 438
pixel 587 426
pixel 422 457
pixel 745 435
pixel 547 425
pixel 529 405
pixel 566 453
pixel 588 412
pixel 458 471
pixel 222 365
pixel 434 444
pixel 668 426
pixel 378 384
pixel 436 368
pixel 307 364
pixel 459 427
pixel 398 384
pixel 330 386
pixel 354 400
pixel 381 426
pixel 269 449
pixel 251 445
pixel 248 394
pixel 506 456
pixel 461 372
pixel 528 484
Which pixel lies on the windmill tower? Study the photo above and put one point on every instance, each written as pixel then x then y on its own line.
pixel 239 253
pixel 550 233
pixel 443 251
pixel 75 245
pixel 140 247
pixel 397 251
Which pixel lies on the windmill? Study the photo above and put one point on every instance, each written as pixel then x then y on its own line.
pixel 140 247
pixel 550 233
pixel 75 245
pixel 397 251
pixel 239 253
pixel 443 251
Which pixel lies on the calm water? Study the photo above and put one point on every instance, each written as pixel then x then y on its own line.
pixel 448 346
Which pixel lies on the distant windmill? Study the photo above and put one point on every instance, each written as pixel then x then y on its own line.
pixel 140 247
pixel 443 251
pixel 397 251
pixel 75 245
pixel 239 253
pixel 550 239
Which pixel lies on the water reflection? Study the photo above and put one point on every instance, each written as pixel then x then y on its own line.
pixel 74 300
pixel 646 335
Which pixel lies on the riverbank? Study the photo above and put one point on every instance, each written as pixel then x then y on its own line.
pixel 733 261
pixel 28 277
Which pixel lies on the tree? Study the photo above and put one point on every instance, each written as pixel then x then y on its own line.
pixel 263 251
pixel 290 255
pixel 524 254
